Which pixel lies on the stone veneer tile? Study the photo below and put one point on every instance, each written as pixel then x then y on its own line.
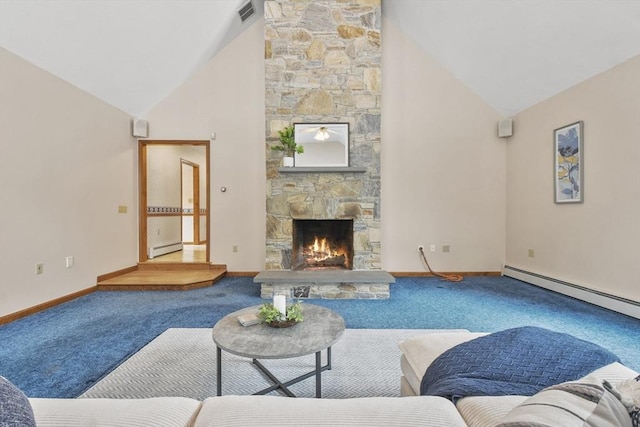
pixel 323 64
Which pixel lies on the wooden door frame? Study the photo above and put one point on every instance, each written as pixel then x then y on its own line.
pixel 195 181
pixel 142 191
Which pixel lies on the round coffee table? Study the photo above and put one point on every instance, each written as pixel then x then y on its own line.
pixel 320 329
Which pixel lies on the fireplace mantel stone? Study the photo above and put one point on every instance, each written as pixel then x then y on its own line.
pixel 307 169
pixel 327 284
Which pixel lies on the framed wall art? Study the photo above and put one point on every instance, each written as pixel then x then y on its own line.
pixel 325 144
pixel 568 163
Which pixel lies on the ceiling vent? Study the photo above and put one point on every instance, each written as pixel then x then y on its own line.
pixel 247 11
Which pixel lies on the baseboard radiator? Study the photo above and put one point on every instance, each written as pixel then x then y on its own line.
pixel 163 250
pixel 611 302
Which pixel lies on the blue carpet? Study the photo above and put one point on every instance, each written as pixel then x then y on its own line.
pixel 64 350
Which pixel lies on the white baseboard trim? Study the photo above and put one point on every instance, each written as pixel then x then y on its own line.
pixel 164 249
pixel 611 302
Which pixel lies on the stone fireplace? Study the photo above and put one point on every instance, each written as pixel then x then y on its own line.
pixel 323 65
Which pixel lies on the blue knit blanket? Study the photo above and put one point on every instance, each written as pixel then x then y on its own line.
pixel 519 361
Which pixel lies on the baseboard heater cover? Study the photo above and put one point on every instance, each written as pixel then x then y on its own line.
pixel 611 302
pixel 163 250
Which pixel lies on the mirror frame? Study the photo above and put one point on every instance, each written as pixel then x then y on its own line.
pixel 335 132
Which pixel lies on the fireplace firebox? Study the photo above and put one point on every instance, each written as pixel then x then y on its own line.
pixel 322 244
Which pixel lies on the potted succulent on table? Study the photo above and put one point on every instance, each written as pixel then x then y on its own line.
pixel 288 145
pixel 273 317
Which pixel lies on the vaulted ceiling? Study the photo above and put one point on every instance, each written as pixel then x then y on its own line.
pixel 512 53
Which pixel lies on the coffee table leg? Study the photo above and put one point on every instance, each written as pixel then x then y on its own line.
pixel 318 373
pixel 219 370
pixel 277 383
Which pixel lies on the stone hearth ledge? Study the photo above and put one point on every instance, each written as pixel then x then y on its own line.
pixel 328 284
pixel 328 169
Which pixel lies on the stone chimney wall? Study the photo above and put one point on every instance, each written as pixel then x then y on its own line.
pixel 323 65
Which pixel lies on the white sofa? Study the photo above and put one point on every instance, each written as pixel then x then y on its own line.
pixel 245 411
pixel 236 411
pixel 489 411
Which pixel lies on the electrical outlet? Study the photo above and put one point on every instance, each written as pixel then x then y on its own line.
pixel 39 268
pixel 531 253
pixel 122 209
pixel 420 248
pixel 69 261
pixel 446 248
pixel 433 248
pixel 235 248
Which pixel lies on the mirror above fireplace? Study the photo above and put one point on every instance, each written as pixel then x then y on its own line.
pixel 325 144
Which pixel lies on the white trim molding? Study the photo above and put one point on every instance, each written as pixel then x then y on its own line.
pixel 164 249
pixel 611 302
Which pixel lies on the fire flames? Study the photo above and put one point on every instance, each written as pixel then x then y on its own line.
pixel 320 250
pixel 321 254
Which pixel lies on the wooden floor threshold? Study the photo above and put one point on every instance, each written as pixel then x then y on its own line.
pixel 182 266
pixel 165 277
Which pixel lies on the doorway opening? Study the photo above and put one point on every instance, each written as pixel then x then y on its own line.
pixel 174 205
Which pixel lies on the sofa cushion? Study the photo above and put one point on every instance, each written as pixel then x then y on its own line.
pixel 516 361
pixel 628 391
pixel 614 373
pixel 584 403
pixel 266 411
pixel 151 412
pixel 625 384
pixel 408 379
pixel 421 350
pixel 487 411
pixel 15 409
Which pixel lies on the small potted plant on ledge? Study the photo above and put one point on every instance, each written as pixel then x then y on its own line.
pixel 288 146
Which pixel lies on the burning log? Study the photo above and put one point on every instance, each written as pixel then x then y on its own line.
pixel 321 255
pixel 332 261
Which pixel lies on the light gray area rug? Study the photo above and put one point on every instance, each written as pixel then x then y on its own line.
pixel 182 362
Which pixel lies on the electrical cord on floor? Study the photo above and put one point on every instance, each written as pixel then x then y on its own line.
pixel 448 277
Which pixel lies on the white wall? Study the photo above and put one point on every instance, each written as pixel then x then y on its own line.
pixel 595 244
pixel 227 96
pixel 443 167
pixel 67 162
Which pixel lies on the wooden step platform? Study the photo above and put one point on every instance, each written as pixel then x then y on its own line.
pixel 165 277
